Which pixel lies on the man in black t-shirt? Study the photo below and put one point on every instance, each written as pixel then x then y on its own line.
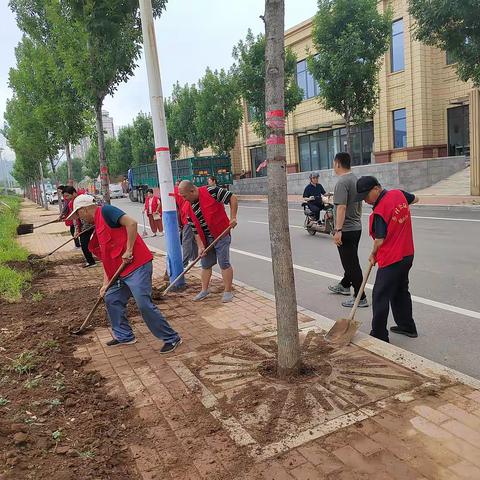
pixel 312 195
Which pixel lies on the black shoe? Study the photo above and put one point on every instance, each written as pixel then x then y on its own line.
pixel 170 347
pixel 403 332
pixel 89 265
pixel 114 342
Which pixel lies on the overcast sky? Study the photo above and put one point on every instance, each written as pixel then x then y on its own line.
pixel 191 36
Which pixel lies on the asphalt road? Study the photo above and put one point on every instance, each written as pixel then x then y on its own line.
pixel 445 279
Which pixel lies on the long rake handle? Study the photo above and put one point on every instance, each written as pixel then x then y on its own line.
pixel 44 224
pixel 196 260
pixel 360 292
pixel 100 298
pixel 69 240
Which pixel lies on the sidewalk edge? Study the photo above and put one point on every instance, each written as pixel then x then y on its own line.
pixel 398 355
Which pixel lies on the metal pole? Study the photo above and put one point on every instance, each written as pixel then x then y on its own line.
pixel 45 202
pixel 165 177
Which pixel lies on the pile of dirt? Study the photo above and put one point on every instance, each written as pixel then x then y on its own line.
pixel 56 419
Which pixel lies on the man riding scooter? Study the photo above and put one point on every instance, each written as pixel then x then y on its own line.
pixel 312 195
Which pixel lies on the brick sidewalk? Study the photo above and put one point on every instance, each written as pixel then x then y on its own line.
pixel 372 411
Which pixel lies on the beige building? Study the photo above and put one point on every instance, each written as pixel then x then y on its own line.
pixel 423 109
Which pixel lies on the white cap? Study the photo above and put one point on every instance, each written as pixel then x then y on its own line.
pixel 80 202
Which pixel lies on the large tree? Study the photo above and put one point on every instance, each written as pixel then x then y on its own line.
pixel 142 141
pixel 454 27
pixel 101 43
pixel 219 111
pixel 249 70
pixel 122 161
pixel 77 171
pixel 182 121
pixel 351 38
pixel 42 74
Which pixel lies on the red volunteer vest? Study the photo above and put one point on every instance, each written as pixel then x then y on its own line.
pixel 213 212
pixel 155 201
pixel 394 209
pixel 182 206
pixel 69 223
pixel 109 244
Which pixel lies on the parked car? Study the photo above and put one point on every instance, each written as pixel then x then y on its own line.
pixel 52 197
pixel 116 190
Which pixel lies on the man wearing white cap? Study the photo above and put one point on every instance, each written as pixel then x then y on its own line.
pixel 116 240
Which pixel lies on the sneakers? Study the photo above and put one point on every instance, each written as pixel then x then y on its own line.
pixel 170 347
pixel 202 295
pixel 349 303
pixel 227 297
pixel 88 265
pixel 404 332
pixel 161 234
pixel 114 342
pixel 153 235
pixel 339 289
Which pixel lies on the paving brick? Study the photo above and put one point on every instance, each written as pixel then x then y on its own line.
pixel 321 458
pixel 431 414
pixel 461 415
pixel 292 459
pixel 306 472
pixel 463 432
pixel 354 460
pixel 464 450
pixel 276 471
pixel 363 444
pixel 466 470
pixel 430 429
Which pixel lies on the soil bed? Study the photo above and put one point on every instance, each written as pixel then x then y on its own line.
pixel 56 419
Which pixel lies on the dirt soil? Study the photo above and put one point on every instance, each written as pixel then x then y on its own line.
pixel 57 421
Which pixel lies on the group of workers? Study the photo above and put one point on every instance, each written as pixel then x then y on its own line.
pixel 390 227
pixel 115 241
pixel 107 233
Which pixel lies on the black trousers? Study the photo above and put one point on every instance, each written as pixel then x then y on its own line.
pixel 391 288
pixel 84 241
pixel 72 232
pixel 315 207
pixel 348 251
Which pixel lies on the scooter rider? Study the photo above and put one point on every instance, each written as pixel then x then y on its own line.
pixel 312 195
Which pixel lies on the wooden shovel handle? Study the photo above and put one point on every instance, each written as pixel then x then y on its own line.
pixel 100 298
pixel 69 240
pixel 360 292
pixel 174 282
pixel 44 224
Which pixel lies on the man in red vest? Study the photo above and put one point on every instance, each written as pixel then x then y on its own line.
pixel 393 250
pixel 208 219
pixel 115 241
pixel 189 245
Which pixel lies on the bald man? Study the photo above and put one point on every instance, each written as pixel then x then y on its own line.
pixel 208 220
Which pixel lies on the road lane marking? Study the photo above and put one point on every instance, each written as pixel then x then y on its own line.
pixel 473 220
pixel 266 223
pixel 312 271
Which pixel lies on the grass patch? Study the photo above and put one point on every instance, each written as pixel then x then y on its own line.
pixel 26 362
pixel 12 282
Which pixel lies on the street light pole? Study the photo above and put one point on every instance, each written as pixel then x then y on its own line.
pixel 162 151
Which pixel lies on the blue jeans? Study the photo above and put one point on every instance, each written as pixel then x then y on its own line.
pixel 139 285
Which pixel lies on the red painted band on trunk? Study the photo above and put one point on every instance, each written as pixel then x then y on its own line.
pixel 103 169
pixel 275 113
pixel 162 149
pixel 275 140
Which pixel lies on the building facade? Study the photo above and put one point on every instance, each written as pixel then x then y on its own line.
pixel 80 150
pixel 423 109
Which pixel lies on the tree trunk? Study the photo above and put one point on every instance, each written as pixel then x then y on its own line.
pixel 68 155
pixel 44 191
pixel 349 136
pixel 289 359
pixel 105 181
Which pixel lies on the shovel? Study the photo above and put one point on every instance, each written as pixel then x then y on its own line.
pixel 84 326
pixel 174 282
pixel 40 257
pixel 345 329
pixel 25 228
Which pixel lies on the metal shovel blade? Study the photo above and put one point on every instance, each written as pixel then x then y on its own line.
pixel 342 331
pixel 25 228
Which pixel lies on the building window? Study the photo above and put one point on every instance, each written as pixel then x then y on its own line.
pixel 449 58
pixel 306 81
pixel 317 151
pixel 400 128
pixel 257 156
pixel 458 131
pixel 397 54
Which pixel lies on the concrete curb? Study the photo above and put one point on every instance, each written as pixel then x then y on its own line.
pixel 407 359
